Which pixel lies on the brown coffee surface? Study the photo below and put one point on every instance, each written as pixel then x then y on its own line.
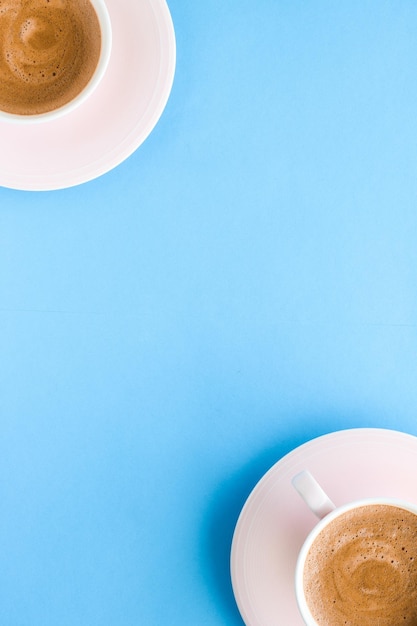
pixel 362 569
pixel 49 50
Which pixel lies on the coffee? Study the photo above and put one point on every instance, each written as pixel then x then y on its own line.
pixel 49 52
pixel 361 570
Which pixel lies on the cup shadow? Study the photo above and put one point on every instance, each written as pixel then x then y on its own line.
pixel 222 515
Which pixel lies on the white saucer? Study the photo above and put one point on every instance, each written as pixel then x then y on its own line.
pixel 117 118
pixel 274 522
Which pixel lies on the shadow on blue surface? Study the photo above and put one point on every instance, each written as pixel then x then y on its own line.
pixel 224 511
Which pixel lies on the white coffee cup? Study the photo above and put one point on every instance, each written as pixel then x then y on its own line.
pixel 321 505
pixel 100 70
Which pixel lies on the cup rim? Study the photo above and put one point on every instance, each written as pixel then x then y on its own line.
pixel 316 530
pixel 101 67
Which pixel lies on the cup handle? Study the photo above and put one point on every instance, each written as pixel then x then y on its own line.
pixel 312 494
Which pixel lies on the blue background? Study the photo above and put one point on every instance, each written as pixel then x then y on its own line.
pixel 245 281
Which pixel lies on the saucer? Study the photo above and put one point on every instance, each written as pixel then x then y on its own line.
pixel 115 120
pixel 349 465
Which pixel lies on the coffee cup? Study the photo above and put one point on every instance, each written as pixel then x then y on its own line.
pixel 358 566
pixel 54 54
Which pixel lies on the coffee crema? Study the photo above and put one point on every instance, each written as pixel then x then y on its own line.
pixel 362 569
pixel 49 50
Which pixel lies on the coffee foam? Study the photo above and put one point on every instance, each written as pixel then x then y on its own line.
pixel 362 569
pixel 49 51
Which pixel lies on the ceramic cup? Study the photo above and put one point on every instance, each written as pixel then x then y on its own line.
pixel 359 563
pixel 35 20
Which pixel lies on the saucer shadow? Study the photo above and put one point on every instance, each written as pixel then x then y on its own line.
pixel 221 518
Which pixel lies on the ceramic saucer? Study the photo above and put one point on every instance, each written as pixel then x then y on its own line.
pixel 274 522
pixel 117 118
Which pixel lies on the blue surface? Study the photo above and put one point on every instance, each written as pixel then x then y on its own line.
pixel 243 282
